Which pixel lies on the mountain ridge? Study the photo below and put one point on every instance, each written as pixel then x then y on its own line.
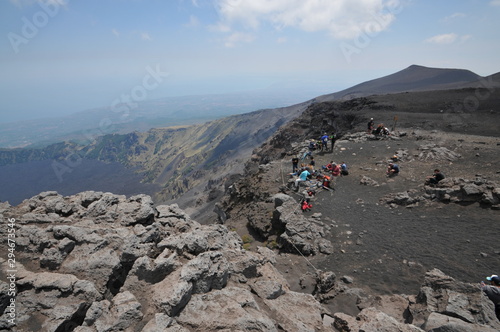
pixel 412 78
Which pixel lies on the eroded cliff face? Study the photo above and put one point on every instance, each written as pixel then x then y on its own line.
pixel 97 261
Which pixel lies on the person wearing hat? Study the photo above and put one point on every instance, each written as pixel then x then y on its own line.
pixel 493 292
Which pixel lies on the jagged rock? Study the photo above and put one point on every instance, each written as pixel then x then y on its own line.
pixel 172 294
pixel 395 306
pixel 432 152
pixel 50 301
pixel 268 289
pixel 198 240
pixel 444 295
pixel 461 190
pixel 230 309
pixel 119 314
pixel 298 312
pixel 371 319
pixel 162 322
pixel 365 180
pixel 207 271
pixel 444 323
pixel 299 233
pixel 162 271
pixel 402 198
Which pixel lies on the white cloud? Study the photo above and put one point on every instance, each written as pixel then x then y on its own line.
pixel 495 2
pixel 447 38
pixel 343 19
pixel 115 32
pixel 145 36
pixel 238 37
pixel 281 40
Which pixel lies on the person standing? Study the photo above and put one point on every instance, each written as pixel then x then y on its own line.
pixel 332 140
pixel 324 142
pixel 295 164
pixel 371 124
pixel 493 292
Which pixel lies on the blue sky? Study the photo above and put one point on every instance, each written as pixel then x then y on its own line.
pixel 64 56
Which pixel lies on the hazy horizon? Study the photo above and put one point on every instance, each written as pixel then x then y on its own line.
pixel 61 57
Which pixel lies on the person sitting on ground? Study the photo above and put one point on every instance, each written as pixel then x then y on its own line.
pixel 312 162
pixel 493 292
pixel 312 145
pixel 392 169
pixel 305 205
pixel 434 179
pixel 335 170
pixel 326 181
pixel 329 166
pixel 379 129
pixel 302 178
pixel 343 169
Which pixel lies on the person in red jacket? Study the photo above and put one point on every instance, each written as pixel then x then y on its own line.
pixel 306 206
pixel 335 170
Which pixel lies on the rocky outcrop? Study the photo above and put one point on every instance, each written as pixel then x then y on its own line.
pixel 102 262
pixel 96 262
pixel 433 152
pixel 299 234
pixel 443 304
pixel 459 190
pixel 451 190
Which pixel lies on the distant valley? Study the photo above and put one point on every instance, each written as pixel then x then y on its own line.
pixel 85 126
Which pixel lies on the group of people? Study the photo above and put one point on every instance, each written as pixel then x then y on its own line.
pixel 308 171
pixel 381 130
pixel 321 144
